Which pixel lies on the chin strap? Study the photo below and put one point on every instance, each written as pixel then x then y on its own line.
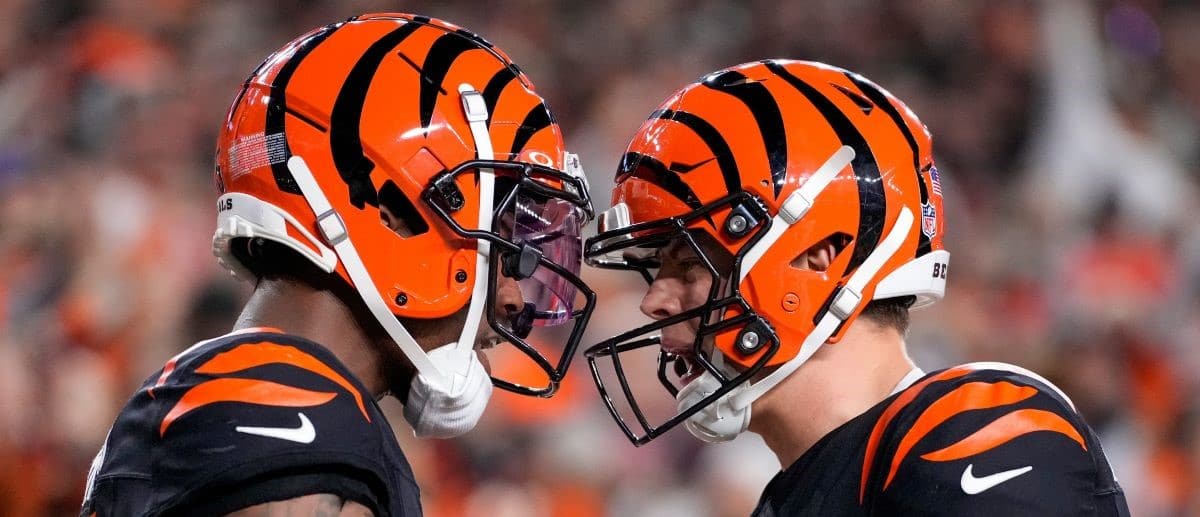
pixel 730 415
pixel 796 205
pixel 333 229
pixel 476 110
pixel 446 413
pixel 847 300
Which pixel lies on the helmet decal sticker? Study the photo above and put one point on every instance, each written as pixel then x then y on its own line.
pixel 928 221
pixel 257 150
pixel 277 107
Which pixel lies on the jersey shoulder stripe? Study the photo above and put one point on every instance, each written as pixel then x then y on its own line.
pixel 226 376
pixel 967 390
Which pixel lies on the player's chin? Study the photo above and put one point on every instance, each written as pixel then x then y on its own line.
pixel 482 345
pixel 483 359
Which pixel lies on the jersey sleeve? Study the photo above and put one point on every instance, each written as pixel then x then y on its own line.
pixel 989 441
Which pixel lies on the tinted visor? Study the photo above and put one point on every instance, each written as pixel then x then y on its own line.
pixel 554 227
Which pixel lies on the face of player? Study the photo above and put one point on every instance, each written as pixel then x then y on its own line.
pixel 508 303
pixel 684 282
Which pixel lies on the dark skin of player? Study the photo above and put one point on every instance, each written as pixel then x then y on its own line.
pixel 344 327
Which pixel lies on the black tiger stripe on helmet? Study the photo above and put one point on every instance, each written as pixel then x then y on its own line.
pixel 871 198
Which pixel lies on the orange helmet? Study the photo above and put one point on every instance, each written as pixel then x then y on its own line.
pixel 768 159
pixel 427 127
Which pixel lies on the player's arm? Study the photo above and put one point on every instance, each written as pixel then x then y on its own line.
pixel 313 505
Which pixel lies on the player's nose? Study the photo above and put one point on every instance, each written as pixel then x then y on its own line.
pixel 660 300
pixel 509 299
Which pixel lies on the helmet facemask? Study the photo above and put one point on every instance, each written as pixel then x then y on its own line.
pixel 537 222
pixel 726 314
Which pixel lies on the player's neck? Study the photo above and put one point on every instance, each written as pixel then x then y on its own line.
pixel 319 316
pixel 840 382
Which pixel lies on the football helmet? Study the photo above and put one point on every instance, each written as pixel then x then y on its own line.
pixel 761 162
pixel 414 160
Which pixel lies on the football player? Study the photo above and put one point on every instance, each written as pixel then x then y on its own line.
pixel 787 215
pixel 388 183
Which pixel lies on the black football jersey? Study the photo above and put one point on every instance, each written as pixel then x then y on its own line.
pixel 244 419
pixel 978 439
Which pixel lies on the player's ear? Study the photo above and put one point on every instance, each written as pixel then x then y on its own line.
pixel 820 255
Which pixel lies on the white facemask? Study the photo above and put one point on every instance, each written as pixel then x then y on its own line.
pixel 435 411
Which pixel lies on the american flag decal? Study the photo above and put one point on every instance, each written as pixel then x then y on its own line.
pixel 935 181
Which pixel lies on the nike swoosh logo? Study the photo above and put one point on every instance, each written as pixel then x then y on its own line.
pixel 306 433
pixel 973 485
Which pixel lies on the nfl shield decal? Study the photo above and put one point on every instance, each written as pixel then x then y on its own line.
pixel 928 220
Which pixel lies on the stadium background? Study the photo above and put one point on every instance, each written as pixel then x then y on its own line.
pixel 1067 133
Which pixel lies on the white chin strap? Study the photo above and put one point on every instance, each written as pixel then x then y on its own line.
pixel 334 232
pixel 729 415
pixel 451 389
pixel 476 110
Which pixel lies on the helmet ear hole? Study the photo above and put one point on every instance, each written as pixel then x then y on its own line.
pixel 398 213
pixel 821 255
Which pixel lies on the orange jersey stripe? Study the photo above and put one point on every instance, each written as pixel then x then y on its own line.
pixel 249 355
pixel 243 390
pixel 969 396
pixel 905 398
pixel 1005 429
pixel 170 366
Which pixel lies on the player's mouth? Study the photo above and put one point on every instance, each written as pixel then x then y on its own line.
pixel 482 345
pixel 686 367
pixel 488 342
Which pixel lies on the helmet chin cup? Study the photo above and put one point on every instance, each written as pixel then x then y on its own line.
pixel 718 422
pixel 448 407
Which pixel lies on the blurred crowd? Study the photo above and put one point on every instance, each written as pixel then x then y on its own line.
pixel 1067 133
